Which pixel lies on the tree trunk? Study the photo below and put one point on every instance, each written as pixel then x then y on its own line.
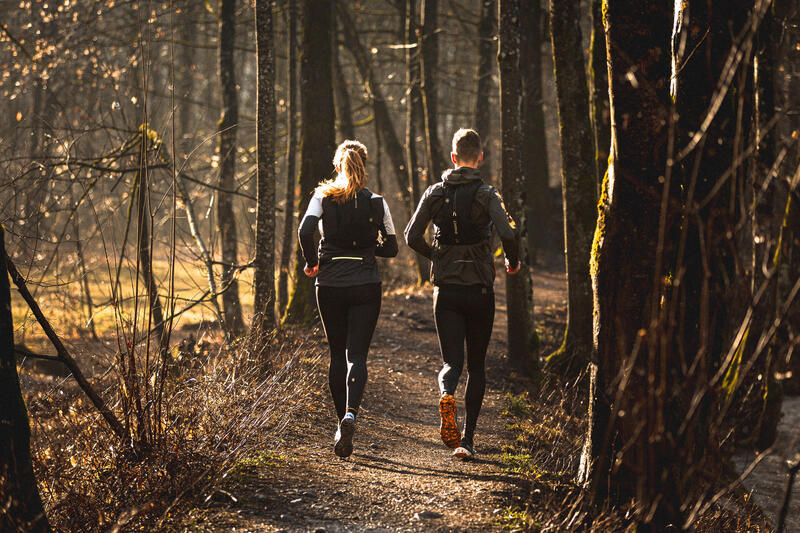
pixel 522 341
pixel 317 135
pixel 228 122
pixel 429 54
pixel 534 142
pixel 578 174
pixel 341 96
pixel 21 508
pixel 629 451
pixel 383 119
pixel 413 103
pixel 787 13
pixel 487 49
pixel 598 83
pixel 291 158
pixel 264 275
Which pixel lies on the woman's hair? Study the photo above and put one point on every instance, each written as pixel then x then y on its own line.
pixel 350 162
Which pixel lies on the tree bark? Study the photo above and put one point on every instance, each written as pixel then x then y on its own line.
pixel 578 174
pixel 598 83
pixel 487 49
pixel 341 97
pixel 429 54
pixel 383 119
pixel 264 275
pixel 413 104
pixel 317 135
pixel 534 142
pixel 630 450
pixel 228 122
pixel 21 508
pixel 291 158
pixel 522 342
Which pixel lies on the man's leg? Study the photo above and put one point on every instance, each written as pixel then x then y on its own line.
pixel 451 330
pixel 332 307
pixel 479 331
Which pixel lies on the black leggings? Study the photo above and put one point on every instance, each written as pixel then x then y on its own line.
pixel 464 313
pixel 349 316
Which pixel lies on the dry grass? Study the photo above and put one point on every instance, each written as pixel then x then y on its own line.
pixel 223 403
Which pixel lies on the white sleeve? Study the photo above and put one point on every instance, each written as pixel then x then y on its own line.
pixel 387 219
pixel 314 207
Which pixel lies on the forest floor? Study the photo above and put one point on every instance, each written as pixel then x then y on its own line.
pixel 400 477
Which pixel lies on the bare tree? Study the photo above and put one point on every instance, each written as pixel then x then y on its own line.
pixel 317 135
pixel 578 183
pixel 264 275
pixel 21 508
pixel 429 55
pixel 228 123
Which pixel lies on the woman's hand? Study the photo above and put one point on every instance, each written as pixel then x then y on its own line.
pixel 311 272
pixel 513 270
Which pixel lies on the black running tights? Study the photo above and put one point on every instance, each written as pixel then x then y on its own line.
pixel 349 316
pixel 464 313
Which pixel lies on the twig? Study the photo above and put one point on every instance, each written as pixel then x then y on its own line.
pixel 63 355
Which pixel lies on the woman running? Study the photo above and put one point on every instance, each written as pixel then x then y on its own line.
pixel 356 226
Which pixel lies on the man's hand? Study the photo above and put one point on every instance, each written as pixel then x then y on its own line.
pixel 311 271
pixel 513 270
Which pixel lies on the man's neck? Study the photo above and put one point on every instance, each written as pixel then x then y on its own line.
pixel 459 164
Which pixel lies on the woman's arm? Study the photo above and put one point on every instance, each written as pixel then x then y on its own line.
pixel 305 234
pixel 388 248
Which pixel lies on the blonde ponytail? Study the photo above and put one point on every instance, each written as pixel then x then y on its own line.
pixel 350 161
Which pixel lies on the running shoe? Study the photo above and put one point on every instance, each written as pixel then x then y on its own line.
pixel 448 429
pixel 344 437
pixel 465 451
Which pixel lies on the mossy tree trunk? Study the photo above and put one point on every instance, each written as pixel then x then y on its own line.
pixel 598 83
pixel 787 14
pixel 21 508
pixel 429 54
pixel 712 148
pixel 522 341
pixel 578 179
pixel 413 112
pixel 291 157
pixel 228 123
pixel 487 50
pixel 264 275
pixel 534 143
pixel 630 451
pixel 317 144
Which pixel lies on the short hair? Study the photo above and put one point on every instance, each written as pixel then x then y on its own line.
pixel 467 145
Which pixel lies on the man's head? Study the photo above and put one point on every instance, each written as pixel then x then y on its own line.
pixel 466 148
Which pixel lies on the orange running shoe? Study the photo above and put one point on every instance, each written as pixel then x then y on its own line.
pixel 448 429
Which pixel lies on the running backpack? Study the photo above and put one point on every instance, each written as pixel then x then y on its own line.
pixel 454 218
pixel 354 223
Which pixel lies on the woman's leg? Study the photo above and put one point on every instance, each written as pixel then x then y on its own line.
pixel 361 321
pixel 332 306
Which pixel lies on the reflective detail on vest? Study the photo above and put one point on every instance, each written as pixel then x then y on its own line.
pixel 353 258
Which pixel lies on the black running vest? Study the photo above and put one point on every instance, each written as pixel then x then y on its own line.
pixel 454 218
pixel 352 224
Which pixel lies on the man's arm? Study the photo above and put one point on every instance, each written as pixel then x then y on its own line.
pixel 505 226
pixel 415 231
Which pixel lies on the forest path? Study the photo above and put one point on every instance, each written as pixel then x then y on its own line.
pixel 400 476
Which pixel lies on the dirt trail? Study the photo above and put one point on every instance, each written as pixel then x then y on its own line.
pixel 400 477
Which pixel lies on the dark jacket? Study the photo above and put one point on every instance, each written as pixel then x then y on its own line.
pixel 344 267
pixel 464 264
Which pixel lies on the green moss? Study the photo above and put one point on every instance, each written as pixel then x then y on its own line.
pixel 732 375
pixel 517 405
pixel 600 229
pixel 516 519
pixel 521 463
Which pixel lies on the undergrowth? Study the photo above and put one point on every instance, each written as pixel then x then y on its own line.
pixel 226 407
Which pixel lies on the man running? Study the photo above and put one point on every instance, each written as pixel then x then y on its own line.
pixel 463 210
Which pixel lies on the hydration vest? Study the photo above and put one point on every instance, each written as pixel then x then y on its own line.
pixel 352 224
pixel 454 220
